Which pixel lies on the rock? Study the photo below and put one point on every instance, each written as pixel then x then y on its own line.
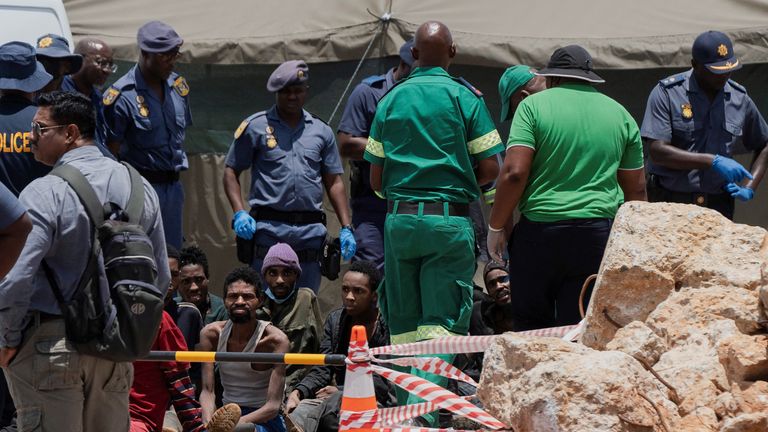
pixel 744 357
pixel 754 422
pixel 546 384
pixel 657 248
pixel 638 341
pixel 703 419
pixel 751 396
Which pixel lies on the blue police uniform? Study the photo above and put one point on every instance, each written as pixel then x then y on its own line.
pixel 368 210
pixel 68 85
pixel 151 134
pixel 680 113
pixel 18 166
pixel 286 184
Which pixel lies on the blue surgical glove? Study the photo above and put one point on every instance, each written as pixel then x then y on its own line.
pixel 348 243
pixel 730 170
pixel 244 224
pixel 742 193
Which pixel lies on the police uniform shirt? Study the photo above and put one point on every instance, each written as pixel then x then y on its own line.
pixel 18 166
pixel 286 164
pixel 356 121
pixel 151 132
pixel 68 85
pixel 680 113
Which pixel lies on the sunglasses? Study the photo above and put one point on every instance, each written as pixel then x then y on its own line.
pixel 37 128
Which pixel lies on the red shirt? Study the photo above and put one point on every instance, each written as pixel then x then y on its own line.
pixel 150 396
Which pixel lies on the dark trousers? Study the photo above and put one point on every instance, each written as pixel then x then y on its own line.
pixel 548 265
pixel 721 202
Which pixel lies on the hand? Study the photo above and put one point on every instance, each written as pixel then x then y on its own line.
pixel 348 244
pixel 292 402
pixel 742 193
pixel 496 243
pixel 326 392
pixel 244 224
pixel 6 355
pixel 730 170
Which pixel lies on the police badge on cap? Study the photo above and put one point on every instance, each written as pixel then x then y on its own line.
pixel 287 74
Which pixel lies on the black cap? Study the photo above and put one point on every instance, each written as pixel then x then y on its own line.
pixel 571 61
pixel 714 50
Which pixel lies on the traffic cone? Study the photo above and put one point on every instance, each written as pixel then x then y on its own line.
pixel 358 394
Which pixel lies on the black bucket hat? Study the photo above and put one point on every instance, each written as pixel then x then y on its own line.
pixel 571 61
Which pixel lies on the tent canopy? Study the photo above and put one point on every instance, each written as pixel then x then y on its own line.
pixel 620 34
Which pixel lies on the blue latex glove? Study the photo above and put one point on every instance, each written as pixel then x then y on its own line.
pixel 742 193
pixel 730 170
pixel 244 224
pixel 348 243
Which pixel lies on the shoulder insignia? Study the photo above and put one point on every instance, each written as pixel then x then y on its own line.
pixel 673 80
pixel 110 96
pixel 240 129
pixel 466 84
pixel 181 86
pixel 374 79
pixel 736 86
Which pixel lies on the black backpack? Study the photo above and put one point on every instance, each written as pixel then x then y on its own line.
pixel 116 308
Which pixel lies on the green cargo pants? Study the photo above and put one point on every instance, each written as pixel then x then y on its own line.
pixel 429 262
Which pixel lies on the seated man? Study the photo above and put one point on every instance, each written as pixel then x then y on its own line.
pixel 156 385
pixel 493 315
pixel 193 285
pixel 315 403
pixel 186 315
pixel 256 388
pixel 292 309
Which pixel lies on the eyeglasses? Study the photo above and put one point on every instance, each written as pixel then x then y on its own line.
pixel 105 65
pixel 198 280
pixel 170 55
pixel 37 129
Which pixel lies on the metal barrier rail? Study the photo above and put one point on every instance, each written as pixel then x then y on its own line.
pixel 266 358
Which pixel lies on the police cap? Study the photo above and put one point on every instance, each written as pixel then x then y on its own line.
pixel 158 37
pixel 56 47
pixel 20 70
pixel 714 50
pixel 287 74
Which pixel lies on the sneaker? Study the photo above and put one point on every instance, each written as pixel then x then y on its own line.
pixel 224 419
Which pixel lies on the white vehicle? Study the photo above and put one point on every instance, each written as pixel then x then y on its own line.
pixel 26 20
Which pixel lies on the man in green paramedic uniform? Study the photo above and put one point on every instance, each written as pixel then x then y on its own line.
pixel 431 144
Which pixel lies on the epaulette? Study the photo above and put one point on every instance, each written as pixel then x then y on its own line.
pixel 466 84
pixel 372 80
pixel 673 80
pixel 244 124
pixel 180 86
pixel 736 86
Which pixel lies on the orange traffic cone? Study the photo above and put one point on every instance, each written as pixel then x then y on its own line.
pixel 358 404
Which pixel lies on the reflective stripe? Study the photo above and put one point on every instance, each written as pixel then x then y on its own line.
pixel 375 148
pixel 490 196
pixel 403 338
pixel 483 143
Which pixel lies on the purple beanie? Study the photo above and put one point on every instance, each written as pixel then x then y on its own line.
pixel 281 254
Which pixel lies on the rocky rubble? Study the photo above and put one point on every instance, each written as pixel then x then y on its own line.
pixel 682 291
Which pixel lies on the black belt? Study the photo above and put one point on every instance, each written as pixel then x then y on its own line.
pixel 430 208
pixel 293 218
pixel 305 255
pixel 160 176
pixel 701 199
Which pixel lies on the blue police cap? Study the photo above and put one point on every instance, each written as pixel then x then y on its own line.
pixel 19 68
pixel 158 37
pixel 714 50
pixel 287 74
pixel 405 53
pixel 57 47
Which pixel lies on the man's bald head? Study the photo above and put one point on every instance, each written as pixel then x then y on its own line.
pixel 97 56
pixel 87 46
pixel 433 45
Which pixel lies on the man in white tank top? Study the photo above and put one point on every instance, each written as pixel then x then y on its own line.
pixel 256 388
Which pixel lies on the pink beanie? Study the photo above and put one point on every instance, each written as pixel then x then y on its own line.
pixel 281 254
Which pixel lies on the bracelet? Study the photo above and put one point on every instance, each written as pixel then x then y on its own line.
pixel 492 229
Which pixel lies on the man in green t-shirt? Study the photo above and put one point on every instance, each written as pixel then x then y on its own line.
pixel 573 156
pixel 431 143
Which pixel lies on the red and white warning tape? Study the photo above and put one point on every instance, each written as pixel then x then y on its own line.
pixel 432 365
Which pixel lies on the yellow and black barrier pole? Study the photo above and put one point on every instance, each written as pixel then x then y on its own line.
pixel 243 357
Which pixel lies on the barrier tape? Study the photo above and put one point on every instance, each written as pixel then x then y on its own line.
pixel 432 365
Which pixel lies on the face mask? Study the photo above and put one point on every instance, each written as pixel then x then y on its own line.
pixel 271 295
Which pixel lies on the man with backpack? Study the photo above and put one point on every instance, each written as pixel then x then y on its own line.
pixel 70 371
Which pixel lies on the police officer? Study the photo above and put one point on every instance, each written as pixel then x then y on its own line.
pixel 98 66
pixel 368 210
pixel 54 53
pixel 21 76
pixel 146 113
pixel 292 155
pixel 428 159
pixel 695 122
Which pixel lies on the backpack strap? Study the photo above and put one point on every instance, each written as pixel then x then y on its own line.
pixel 84 191
pixel 135 206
